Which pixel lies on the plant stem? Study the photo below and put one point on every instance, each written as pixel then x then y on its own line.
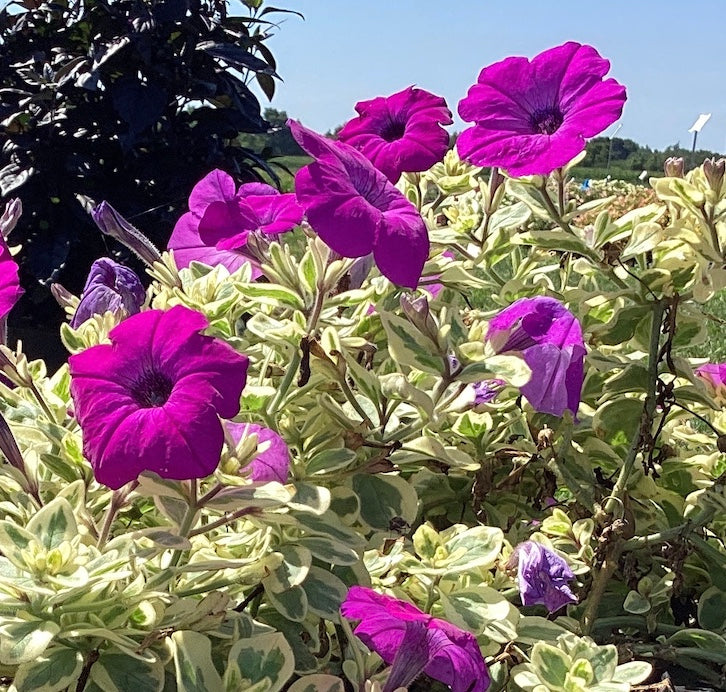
pixel 556 217
pixel 599 584
pixel 704 516
pixel 224 519
pixel 187 522
pixel 118 500
pixel 649 405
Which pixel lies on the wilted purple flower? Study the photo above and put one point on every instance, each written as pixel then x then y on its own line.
pixel 356 210
pixel 109 286
pixel 487 390
pixel 413 642
pixel 272 461
pixel 400 133
pixel 151 399
pixel 542 576
pixel 11 214
pixel 219 221
pixel 549 338
pixel 531 117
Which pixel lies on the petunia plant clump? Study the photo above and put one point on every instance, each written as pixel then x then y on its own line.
pixel 430 422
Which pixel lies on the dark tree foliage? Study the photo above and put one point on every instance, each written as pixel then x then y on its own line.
pixel 131 101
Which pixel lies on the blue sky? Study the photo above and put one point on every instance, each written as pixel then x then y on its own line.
pixel 668 53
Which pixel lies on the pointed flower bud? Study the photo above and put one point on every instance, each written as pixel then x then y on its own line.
pixel 674 167
pixel 419 315
pixel 714 171
pixel 13 210
pixel 113 224
pixel 110 286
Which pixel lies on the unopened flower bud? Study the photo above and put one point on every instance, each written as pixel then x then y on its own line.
pixel 113 224
pixel 674 167
pixel 714 172
pixel 13 210
pixel 257 247
pixel 419 315
pixel 63 296
pixel 110 287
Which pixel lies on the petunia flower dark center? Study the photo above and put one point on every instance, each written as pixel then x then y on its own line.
pixel 546 121
pixel 152 389
pixel 393 130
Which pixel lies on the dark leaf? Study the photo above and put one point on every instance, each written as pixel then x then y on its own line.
pixel 236 57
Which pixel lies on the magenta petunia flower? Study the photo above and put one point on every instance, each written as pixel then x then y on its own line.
pixel 714 376
pixel 151 400
pixel 549 338
pixel 10 290
pixel 400 133
pixel 531 117
pixel 542 576
pixel 356 210
pixel 412 642
pixel 272 461
pixel 219 221
pixel 109 286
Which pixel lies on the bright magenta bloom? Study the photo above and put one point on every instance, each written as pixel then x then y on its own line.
pixel 531 117
pixel 413 642
pixel 151 400
pixel 400 133
pixel 272 462
pixel 356 210
pixel 542 576
pixel 714 375
pixel 220 219
pixel 10 290
pixel 549 337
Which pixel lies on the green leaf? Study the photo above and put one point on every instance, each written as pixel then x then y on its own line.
pixel 635 603
pixel 384 497
pixel 632 672
pixel 329 551
pixel 556 239
pixel 195 671
pixel 13 540
pixel 265 658
pixel 645 237
pixel 551 665
pixel 604 661
pixel 272 294
pixel 331 460
pixel 409 347
pixel 483 611
pixel 53 671
pixel 117 672
pixel 22 641
pixel 702 639
pixel 293 569
pixel 325 593
pixel 712 609
pixel 533 629
pixel 317 683
pixel 512 369
pixel 293 603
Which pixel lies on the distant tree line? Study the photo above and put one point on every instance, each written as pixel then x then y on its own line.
pixel 629 155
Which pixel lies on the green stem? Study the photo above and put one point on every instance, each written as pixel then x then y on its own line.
pixel 284 386
pixel 118 500
pixel 599 584
pixel 554 214
pixel 188 521
pixel 226 518
pixel 431 596
pixel 637 542
pixel 649 406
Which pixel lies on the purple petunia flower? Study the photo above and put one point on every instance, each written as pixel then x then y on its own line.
pixel 487 390
pixel 542 576
pixel 151 400
pixel 549 338
pixel 272 461
pixel 356 210
pixel 400 133
pixel 109 286
pixel 413 642
pixel 531 117
pixel 219 221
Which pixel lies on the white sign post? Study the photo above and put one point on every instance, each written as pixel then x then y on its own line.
pixel 696 128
